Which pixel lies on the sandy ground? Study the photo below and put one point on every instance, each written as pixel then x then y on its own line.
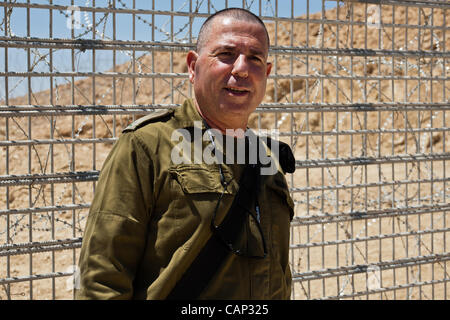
pixel 351 80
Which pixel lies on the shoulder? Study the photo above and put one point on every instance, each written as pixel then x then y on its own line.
pixel 156 116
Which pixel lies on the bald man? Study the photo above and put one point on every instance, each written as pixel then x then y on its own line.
pixel 156 225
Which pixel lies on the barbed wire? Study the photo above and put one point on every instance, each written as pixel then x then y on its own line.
pixel 389 193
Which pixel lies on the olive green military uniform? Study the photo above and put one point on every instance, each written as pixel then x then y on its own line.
pixel 150 218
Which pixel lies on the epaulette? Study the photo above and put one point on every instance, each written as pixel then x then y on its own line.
pixel 152 117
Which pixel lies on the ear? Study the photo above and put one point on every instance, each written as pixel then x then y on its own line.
pixel 191 60
pixel 269 68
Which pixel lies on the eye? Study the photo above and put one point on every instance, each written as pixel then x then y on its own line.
pixel 225 54
pixel 256 58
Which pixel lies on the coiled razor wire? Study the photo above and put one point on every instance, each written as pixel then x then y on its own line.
pixel 320 198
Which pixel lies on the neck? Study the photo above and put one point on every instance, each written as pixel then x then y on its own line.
pixel 236 130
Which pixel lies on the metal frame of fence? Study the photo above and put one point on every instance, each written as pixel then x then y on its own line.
pixel 359 89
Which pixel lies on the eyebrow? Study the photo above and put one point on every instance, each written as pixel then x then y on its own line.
pixel 257 52
pixel 224 47
pixel 233 47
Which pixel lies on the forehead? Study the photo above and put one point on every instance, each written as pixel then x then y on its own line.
pixel 230 31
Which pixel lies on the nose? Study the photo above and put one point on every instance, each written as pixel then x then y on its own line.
pixel 240 67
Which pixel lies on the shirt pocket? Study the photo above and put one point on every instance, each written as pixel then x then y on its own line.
pixel 196 190
pixel 201 178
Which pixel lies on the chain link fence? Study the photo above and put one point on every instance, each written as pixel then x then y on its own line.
pixel 359 89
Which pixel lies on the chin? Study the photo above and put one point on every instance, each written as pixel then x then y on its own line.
pixel 243 112
pixel 238 108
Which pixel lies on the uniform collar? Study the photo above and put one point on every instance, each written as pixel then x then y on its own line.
pixel 188 116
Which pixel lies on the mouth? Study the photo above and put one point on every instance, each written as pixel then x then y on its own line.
pixel 237 91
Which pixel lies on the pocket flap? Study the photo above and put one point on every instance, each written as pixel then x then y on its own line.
pixel 202 178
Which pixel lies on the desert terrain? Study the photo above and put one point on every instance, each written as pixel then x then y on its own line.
pixel 322 99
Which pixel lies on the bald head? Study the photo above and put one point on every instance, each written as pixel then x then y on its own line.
pixel 235 13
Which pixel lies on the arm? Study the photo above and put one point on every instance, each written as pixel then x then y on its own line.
pixel 115 234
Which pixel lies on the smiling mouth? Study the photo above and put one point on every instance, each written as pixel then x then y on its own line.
pixel 239 91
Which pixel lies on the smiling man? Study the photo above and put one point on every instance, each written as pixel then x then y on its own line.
pixel 164 230
pixel 230 69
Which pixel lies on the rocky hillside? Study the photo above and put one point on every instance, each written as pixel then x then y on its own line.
pixel 299 78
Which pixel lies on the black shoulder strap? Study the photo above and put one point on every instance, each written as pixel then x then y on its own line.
pixel 210 258
pixel 285 155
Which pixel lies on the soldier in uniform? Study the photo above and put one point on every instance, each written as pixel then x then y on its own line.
pixel 151 216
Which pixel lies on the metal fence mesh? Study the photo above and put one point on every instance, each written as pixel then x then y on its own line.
pixel 359 89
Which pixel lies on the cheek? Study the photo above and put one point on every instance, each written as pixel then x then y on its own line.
pixel 260 83
pixel 260 75
pixel 208 74
pixel 219 70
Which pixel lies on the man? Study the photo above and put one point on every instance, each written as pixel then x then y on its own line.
pixel 151 216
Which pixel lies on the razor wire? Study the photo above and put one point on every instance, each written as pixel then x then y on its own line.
pixel 324 201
